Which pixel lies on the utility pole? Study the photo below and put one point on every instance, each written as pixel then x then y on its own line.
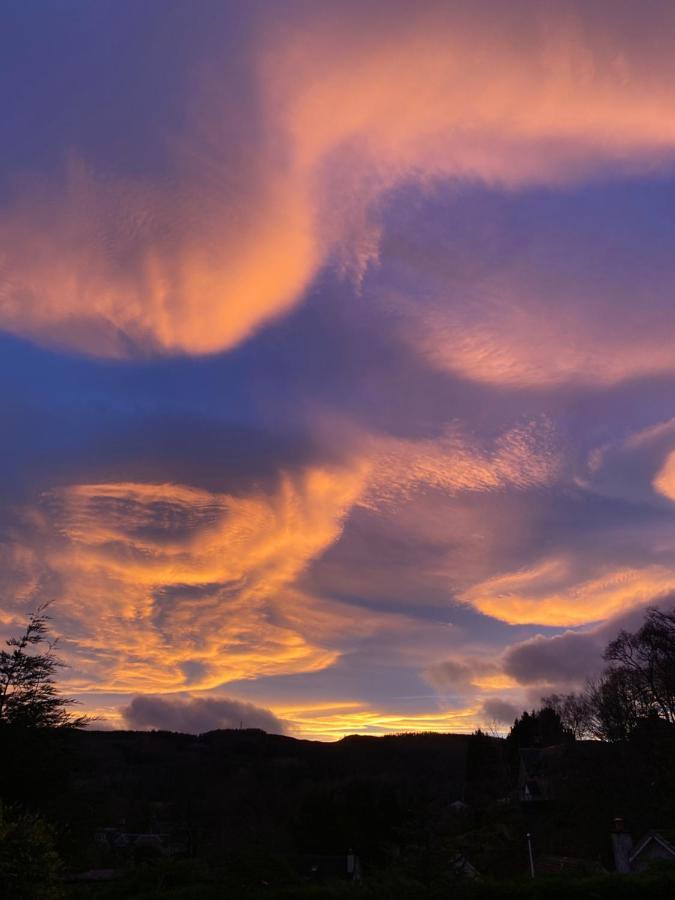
pixel 529 848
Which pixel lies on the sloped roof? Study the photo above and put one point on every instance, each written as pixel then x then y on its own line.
pixel 656 836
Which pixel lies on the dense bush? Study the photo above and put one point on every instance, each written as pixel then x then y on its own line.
pixel 29 863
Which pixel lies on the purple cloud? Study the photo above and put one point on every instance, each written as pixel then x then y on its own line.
pixel 566 659
pixel 197 715
pixel 500 711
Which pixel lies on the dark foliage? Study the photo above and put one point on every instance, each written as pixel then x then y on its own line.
pixel 539 728
pixel 29 863
pixel 637 687
pixel 645 663
pixel 29 697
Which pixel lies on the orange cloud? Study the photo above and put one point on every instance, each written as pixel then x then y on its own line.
pixel 169 588
pixel 484 93
pixel 347 108
pixel 166 586
pixel 123 268
pixel 552 593
pixel 664 480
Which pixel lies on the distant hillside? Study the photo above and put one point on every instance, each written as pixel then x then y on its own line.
pixel 408 805
pixel 232 788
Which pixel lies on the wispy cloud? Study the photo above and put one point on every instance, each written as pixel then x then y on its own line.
pixel 233 233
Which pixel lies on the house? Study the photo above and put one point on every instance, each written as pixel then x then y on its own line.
pixel 463 867
pixel 459 807
pixel 653 847
pixel 123 844
pixel 533 785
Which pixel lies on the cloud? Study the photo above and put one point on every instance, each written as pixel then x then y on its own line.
pixel 335 110
pixel 637 467
pixel 131 269
pixel 164 587
pixel 500 711
pixel 161 586
pixel 420 92
pixel 563 659
pixel 551 592
pixel 460 675
pixel 197 715
pixel 450 674
pixel 526 456
pixel 664 481
pixel 531 289
pixel 514 339
pixel 438 515
pixel 589 566
pixel 475 202
pixel 566 660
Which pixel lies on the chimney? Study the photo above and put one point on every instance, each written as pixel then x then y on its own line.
pixel 622 845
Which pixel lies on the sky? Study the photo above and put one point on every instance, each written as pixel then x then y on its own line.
pixel 337 352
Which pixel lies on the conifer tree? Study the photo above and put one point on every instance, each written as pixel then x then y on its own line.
pixel 28 694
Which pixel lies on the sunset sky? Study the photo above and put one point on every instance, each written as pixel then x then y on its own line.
pixel 337 347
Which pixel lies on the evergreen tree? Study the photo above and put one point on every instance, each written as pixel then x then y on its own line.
pixel 28 695
pixel 539 728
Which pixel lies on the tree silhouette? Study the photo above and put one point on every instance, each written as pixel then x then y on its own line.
pixel 29 697
pixel 539 728
pixel 646 661
pixel 636 690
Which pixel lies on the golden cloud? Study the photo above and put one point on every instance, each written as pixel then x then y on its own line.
pixel 551 593
pixel 165 585
pixel 334 720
